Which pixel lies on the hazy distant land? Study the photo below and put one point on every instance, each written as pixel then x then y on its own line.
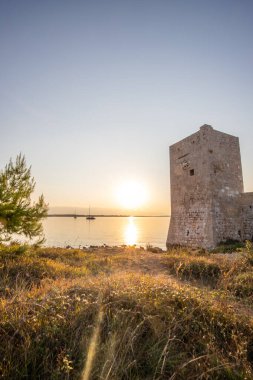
pixel 106 216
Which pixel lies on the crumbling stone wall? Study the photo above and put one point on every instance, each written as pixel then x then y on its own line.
pixel 247 216
pixel 227 185
pixel 207 190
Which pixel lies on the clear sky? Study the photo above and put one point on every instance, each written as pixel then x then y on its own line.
pixel 94 92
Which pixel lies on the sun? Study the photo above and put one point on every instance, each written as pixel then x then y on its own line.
pixel 132 194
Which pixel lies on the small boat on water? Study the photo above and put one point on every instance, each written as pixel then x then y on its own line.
pixel 90 217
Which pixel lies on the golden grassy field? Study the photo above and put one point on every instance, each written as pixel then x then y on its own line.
pixel 125 313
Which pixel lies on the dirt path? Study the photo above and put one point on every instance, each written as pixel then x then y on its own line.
pixel 148 263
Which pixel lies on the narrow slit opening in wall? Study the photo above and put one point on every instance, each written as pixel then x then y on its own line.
pixel 192 172
pixel 187 233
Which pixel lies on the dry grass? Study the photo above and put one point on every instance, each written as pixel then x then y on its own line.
pixel 124 313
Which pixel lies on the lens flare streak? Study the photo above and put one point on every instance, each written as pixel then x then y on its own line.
pixel 92 347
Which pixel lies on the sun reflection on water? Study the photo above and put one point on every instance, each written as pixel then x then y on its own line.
pixel 131 232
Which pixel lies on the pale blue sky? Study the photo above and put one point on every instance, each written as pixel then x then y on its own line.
pixel 94 92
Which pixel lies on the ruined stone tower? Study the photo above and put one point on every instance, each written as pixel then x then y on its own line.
pixel 208 205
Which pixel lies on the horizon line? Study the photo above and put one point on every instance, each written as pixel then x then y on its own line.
pixel 104 215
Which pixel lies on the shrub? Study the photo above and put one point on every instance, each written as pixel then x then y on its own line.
pixel 202 270
pixel 249 251
pixel 242 285
pixel 152 249
pixel 228 247
pixel 196 268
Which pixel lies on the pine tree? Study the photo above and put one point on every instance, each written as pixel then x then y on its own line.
pixel 18 214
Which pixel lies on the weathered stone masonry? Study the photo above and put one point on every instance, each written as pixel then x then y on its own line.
pixel 208 204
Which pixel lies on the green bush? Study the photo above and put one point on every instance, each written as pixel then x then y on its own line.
pixel 228 247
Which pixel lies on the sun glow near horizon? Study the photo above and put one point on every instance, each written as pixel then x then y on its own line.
pixel 132 194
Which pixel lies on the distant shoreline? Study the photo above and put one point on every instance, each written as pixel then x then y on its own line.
pixel 105 216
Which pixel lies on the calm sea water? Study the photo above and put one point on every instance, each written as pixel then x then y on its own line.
pixel 60 231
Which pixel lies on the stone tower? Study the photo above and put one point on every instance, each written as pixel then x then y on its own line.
pixel 208 205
